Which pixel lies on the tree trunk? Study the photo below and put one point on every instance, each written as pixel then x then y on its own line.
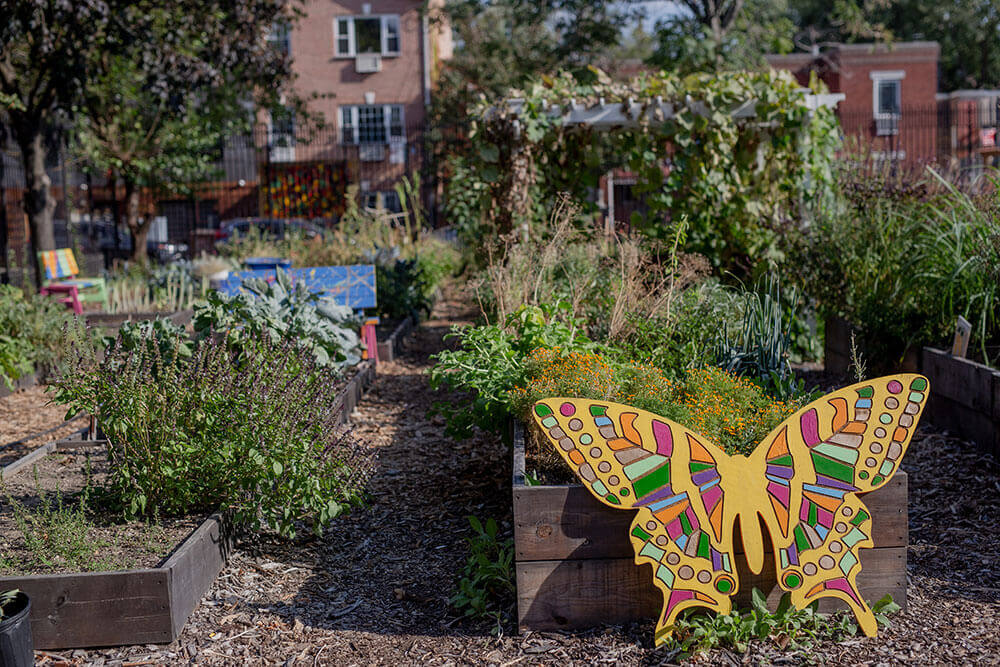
pixel 139 228
pixel 39 204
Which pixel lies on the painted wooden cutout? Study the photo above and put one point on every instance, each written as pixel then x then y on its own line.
pixel 801 481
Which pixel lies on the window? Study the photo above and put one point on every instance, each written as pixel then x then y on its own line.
pixel 888 97
pixel 280 38
pixel 371 124
pixel 887 101
pixel 353 35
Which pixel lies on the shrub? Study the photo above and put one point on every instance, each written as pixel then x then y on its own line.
pixel 486 588
pixel 31 332
pixel 902 267
pixel 257 436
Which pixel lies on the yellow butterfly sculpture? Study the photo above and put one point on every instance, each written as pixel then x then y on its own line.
pixel 802 481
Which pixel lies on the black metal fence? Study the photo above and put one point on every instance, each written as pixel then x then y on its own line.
pixel 304 174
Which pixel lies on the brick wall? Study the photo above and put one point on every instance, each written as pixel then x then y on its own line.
pixel 320 71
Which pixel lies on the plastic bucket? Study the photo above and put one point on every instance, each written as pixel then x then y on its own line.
pixel 16 647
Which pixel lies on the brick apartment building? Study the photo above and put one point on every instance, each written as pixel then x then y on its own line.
pixel 885 87
pixel 367 70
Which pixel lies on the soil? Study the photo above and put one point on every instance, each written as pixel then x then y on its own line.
pixel 375 588
pixel 24 416
pixel 104 543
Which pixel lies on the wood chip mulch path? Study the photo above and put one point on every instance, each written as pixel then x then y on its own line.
pixel 374 589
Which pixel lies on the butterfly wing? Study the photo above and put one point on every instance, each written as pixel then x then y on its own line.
pixel 633 459
pixel 816 463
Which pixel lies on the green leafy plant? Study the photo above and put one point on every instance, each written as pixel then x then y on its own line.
pixel 31 333
pixel 402 289
pixel 7 597
pixel 256 435
pixel 760 350
pixel 280 311
pixel 490 360
pixel 486 587
pixel 787 628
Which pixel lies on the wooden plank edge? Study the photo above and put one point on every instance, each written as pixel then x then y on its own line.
pixel 27 460
pixel 207 548
pixel 390 348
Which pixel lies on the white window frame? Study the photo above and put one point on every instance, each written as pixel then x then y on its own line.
pixel 886 123
pixel 352 111
pixel 352 42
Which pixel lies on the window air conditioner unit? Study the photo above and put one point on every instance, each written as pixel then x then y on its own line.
pixel 368 63
pixel 371 152
pixel 886 125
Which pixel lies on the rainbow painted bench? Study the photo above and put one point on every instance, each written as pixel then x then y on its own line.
pixel 59 268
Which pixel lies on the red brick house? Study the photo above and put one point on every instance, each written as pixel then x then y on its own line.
pixel 367 69
pixel 889 93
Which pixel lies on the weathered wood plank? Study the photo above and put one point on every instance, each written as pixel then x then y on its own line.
pixel 960 380
pixel 195 565
pixel 964 398
pixel 390 348
pixel 97 608
pixel 28 459
pixel 577 594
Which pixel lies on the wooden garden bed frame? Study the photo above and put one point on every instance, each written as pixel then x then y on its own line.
pixel 964 396
pixel 142 606
pixel 575 565
pixel 390 348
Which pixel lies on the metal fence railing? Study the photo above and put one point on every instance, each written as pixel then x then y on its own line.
pixel 302 173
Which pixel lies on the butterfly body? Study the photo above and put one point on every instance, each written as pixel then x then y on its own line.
pixel 801 483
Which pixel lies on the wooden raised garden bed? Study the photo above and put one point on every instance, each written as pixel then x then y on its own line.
pixel 390 348
pixel 575 566
pixel 25 382
pixel 139 606
pixel 148 605
pixel 964 398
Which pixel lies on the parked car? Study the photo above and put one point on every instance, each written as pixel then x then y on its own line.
pixel 276 227
pixel 99 236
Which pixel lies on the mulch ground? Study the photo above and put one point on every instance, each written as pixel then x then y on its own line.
pixel 374 589
pixel 27 418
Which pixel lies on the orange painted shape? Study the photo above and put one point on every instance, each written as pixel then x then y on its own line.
pixel 620 443
pixel 576 457
pixel 840 416
pixel 698 451
pixel 818 588
pixel 716 519
pixel 900 434
pixel 855 427
pixel 779 447
pixel 628 430
pixel 826 502
pixel 671 512
pixel 781 513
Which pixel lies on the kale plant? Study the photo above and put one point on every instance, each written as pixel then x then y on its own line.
pixel 280 311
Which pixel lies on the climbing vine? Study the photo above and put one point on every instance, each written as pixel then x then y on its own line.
pixel 741 156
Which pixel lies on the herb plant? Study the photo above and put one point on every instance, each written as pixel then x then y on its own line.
pixel 6 597
pixel 257 435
